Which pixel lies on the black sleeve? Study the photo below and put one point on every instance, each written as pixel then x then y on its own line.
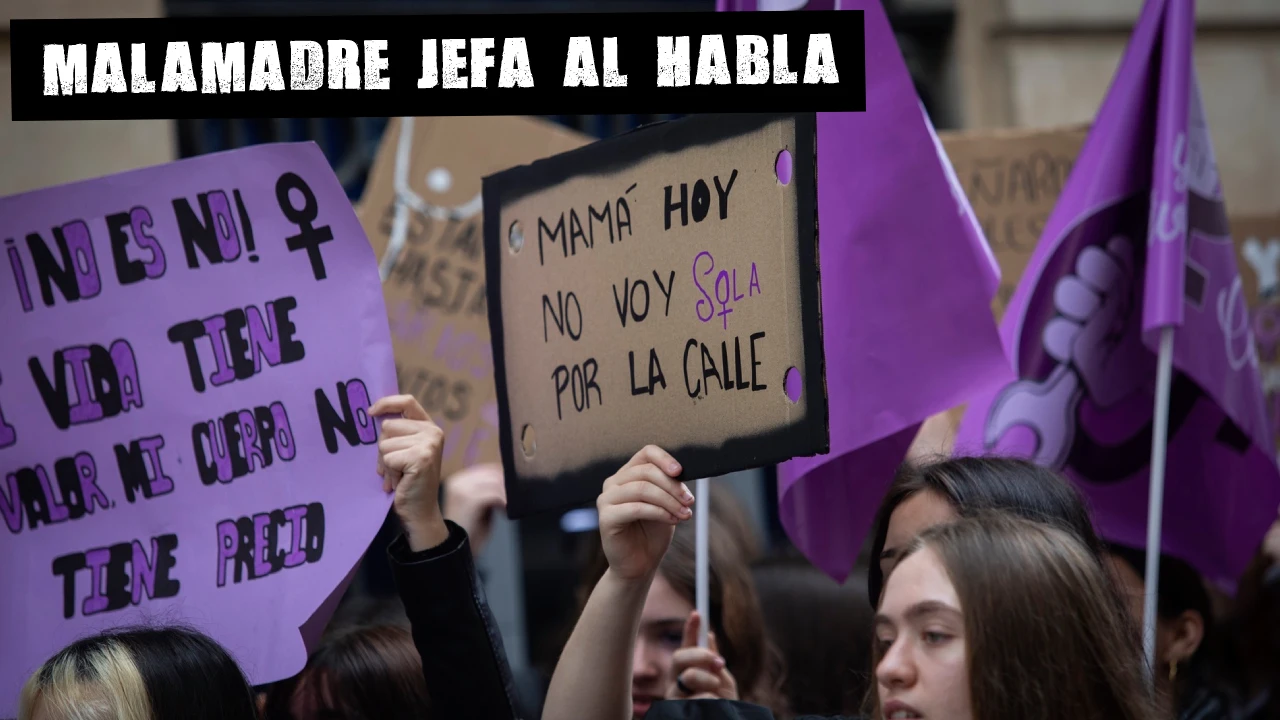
pixel 463 660
pixel 715 710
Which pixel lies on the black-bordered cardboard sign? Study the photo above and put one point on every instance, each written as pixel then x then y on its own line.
pixel 658 287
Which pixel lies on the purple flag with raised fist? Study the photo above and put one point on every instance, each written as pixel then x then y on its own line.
pixel 1139 241
pixel 907 283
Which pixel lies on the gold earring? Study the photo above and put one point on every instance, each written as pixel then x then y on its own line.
pixel 1173 670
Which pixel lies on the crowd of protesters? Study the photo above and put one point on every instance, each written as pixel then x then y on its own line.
pixel 988 595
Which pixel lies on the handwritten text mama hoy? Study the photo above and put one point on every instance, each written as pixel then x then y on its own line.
pixel 450 64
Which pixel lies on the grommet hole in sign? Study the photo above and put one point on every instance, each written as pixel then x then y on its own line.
pixel 782 167
pixel 515 237
pixel 792 384
pixel 528 441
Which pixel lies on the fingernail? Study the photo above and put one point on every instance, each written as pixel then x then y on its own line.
pixel 688 496
pixel 685 512
pixel 675 468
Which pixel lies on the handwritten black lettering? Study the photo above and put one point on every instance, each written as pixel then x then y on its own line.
pixel 700 204
pixel 105 381
pixel 579 380
pixel 29 491
pixel 74 271
pixel 141 470
pixel 655 374
pixel 252 544
pixel 355 424
pixel 214 233
pixel 235 356
pixel 561 315
pixel 120 575
pixel 241 442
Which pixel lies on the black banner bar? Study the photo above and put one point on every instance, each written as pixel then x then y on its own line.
pixel 373 66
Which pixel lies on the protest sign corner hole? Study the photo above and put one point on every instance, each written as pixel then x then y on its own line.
pixel 792 384
pixel 439 180
pixel 515 237
pixel 783 167
pixel 528 441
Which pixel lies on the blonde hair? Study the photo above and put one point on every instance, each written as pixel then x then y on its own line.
pixel 102 683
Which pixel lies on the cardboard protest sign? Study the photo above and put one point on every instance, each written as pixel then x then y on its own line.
pixel 658 287
pixel 189 353
pixel 1257 241
pixel 434 262
pixel 1012 179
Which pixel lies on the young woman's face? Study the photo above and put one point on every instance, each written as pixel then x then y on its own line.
pixel 912 516
pixel 661 631
pixel 919 636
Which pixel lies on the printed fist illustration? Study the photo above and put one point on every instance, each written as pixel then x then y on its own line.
pixel 1096 340
pixel 1097 329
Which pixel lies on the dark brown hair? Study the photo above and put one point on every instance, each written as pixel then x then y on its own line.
pixel 822 630
pixel 1054 644
pixel 359 673
pixel 1250 655
pixel 976 484
pixel 1181 589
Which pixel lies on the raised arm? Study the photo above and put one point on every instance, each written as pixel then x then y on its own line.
pixel 463 660
pixel 639 508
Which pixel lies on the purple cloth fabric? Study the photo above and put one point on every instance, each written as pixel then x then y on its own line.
pixel 1139 241
pixel 907 283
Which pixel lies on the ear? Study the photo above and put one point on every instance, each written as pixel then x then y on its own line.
pixel 1186 634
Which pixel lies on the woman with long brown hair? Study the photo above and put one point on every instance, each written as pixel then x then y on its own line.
pixel 996 617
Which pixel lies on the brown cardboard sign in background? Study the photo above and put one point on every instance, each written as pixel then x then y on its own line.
pixel 1012 179
pixel 434 289
pixel 660 287
pixel 1257 241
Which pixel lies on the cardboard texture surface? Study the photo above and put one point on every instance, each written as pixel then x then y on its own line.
pixel 1257 241
pixel 665 283
pixel 1012 179
pixel 434 285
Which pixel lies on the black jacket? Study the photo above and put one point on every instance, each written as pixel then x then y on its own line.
pixel 463 660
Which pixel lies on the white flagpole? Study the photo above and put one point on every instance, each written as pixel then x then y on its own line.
pixel 1155 496
pixel 400 223
pixel 702 557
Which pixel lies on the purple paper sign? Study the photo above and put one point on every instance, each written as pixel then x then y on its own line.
pixel 189 351
pixel 894 220
pixel 1139 240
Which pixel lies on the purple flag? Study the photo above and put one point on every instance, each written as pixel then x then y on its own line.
pixel 1139 241
pixel 907 283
